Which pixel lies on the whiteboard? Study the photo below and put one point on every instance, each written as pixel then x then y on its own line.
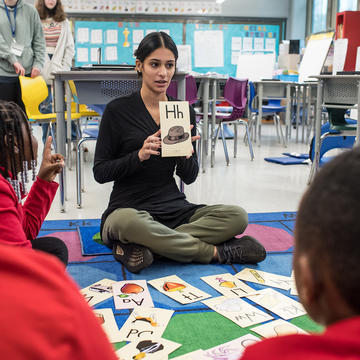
pixel 315 55
pixel 255 67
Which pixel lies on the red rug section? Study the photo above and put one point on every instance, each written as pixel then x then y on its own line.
pixel 273 239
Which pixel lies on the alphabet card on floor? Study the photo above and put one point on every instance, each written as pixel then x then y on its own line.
pixel 293 290
pixel 98 292
pixel 175 128
pixel 149 349
pixel 277 328
pixel 230 350
pixel 237 310
pixel 228 285
pixel 278 303
pixel 265 278
pixel 130 294
pixel 108 323
pixel 146 323
pixel 178 289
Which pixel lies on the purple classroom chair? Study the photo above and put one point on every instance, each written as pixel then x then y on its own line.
pixel 235 93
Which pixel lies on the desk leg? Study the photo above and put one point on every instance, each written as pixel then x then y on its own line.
pixel 303 122
pixel 213 120
pixel 260 94
pixel 60 134
pixel 68 123
pixel 287 113
pixel 298 97
pixel 308 116
pixel 317 135
pixel 205 133
pixel 358 116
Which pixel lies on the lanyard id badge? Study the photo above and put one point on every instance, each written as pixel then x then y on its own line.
pixel 16 48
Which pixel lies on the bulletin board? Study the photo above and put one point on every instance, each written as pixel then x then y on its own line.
pixel 216 47
pixel 117 40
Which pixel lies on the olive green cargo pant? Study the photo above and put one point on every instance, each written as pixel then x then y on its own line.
pixel 209 226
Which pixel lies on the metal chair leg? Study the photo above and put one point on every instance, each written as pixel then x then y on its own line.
pixel 249 141
pixel 235 140
pixel 224 144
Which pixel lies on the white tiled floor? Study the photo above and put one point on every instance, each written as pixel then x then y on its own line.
pixel 258 186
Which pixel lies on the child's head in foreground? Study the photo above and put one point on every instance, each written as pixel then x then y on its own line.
pixel 327 242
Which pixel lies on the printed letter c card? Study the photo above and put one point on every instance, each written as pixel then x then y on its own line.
pixel 178 289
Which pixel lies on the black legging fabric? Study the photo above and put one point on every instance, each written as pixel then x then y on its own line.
pixel 53 246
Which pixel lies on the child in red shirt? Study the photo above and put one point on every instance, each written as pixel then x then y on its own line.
pixel 326 265
pixel 20 223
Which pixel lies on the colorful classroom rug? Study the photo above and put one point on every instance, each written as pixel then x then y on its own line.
pixel 195 326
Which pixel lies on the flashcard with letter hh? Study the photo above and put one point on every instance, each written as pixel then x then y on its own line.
pixel 148 349
pixel 108 323
pixel 146 323
pixel 228 285
pixel 278 303
pixel 237 310
pixel 98 291
pixel 230 350
pixel 265 278
pixel 277 328
pixel 178 289
pixel 130 294
pixel 175 128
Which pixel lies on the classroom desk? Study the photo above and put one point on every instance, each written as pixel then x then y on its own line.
pixel 203 94
pixel 271 89
pixel 94 87
pixel 339 91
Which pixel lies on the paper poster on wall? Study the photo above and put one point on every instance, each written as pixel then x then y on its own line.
pixel 184 60
pixel 258 43
pixel 112 36
pixel 255 67
pixel 235 57
pixel 82 54
pixel 83 35
pixel 94 55
pixel 340 51
pixel 247 43
pixel 357 65
pixel 209 48
pixel 137 36
pixel 270 44
pixel 150 31
pixel 236 43
pixel 96 36
pixel 111 53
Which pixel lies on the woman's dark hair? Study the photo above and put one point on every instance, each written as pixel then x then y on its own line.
pixel 57 13
pixel 12 153
pixel 152 42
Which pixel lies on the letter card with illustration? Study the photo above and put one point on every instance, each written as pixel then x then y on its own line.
pixel 130 294
pixel 278 303
pixel 228 285
pixel 277 327
pixel 108 323
pixel 148 349
pixel 178 289
pixel 149 323
pixel 175 128
pixel 237 310
pixel 98 292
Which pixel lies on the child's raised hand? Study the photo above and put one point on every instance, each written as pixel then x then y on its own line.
pixel 52 164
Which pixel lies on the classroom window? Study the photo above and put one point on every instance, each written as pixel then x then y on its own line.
pixel 346 5
pixel 319 13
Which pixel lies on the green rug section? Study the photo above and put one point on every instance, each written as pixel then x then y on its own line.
pixel 200 331
pixel 307 324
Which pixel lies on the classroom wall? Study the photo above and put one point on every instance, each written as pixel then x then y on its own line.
pixel 296 26
pixel 256 8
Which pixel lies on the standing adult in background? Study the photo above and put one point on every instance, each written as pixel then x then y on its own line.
pixel 60 48
pixel 22 47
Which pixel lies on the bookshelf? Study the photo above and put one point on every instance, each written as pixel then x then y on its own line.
pixel 347 27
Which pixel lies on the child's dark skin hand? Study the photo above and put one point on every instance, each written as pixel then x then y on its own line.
pixel 52 164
